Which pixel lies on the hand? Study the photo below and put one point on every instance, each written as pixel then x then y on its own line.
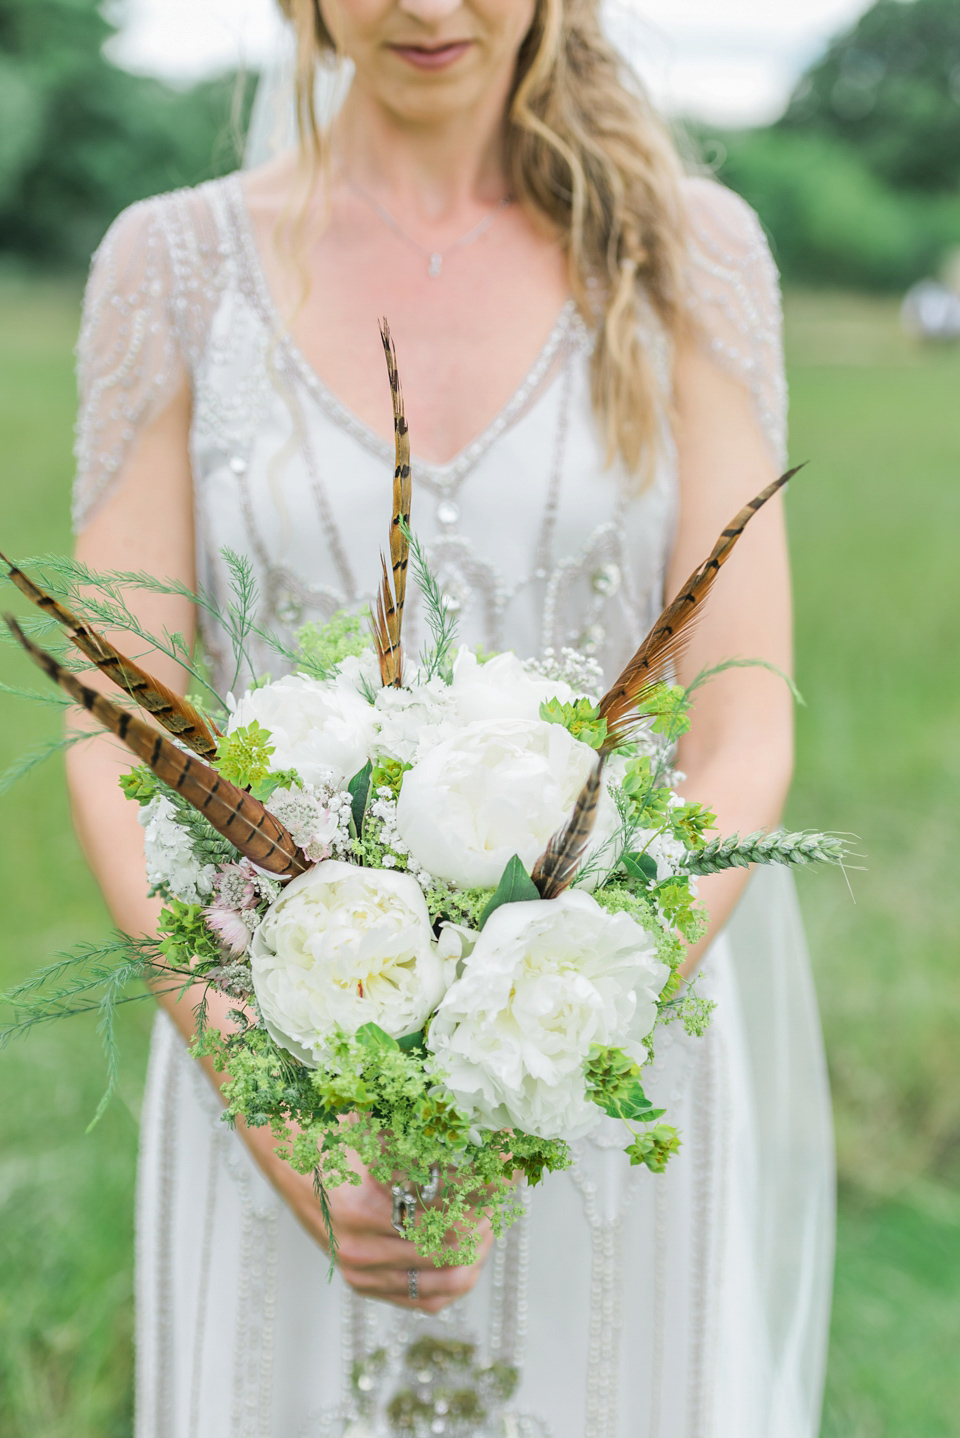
pixel 372 1257
pixel 376 1261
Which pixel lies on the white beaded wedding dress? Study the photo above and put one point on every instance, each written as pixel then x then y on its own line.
pixel 690 1305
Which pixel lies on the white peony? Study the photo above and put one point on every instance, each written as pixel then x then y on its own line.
pixel 492 790
pixel 169 853
pixel 345 945
pixel 323 730
pixel 501 688
pixel 544 982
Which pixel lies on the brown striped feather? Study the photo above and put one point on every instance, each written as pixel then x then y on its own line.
pixel 169 709
pixel 666 641
pixel 388 620
pixel 556 868
pixel 240 818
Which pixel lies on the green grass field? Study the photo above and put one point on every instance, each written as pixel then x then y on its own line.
pixel 875 520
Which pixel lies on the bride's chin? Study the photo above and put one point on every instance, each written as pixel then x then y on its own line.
pixel 425 96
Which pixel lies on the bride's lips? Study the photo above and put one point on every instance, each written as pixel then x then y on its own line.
pixel 432 57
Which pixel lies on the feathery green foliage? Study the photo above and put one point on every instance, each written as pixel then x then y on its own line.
pixel 441 618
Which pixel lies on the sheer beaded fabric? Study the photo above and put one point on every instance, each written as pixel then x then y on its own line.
pixel 690 1305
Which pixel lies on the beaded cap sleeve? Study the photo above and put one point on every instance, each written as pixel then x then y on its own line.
pixel 734 298
pixel 153 284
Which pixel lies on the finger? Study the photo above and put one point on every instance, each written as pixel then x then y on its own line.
pixel 360 1248
pixel 433 1285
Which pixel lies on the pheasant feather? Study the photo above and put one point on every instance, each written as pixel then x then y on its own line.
pixel 236 815
pixel 555 869
pixel 668 638
pixel 388 621
pixel 175 714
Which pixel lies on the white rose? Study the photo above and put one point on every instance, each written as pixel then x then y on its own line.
pixel 348 946
pixel 501 688
pixel 544 982
pixel 492 790
pixel 324 731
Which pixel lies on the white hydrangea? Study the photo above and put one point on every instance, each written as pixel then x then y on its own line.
pixel 412 720
pixel 668 853
pixel 544 981
pixel 384 809
pixel 169 853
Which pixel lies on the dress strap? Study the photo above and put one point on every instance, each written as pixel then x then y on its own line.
pixel 733 296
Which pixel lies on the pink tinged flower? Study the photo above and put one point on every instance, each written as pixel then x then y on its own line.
pixel 229 927
pixel 235 886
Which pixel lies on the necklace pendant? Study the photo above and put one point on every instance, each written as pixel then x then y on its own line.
pixel 435 267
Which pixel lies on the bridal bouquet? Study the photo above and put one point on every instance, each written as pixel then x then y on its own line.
pixel 447 900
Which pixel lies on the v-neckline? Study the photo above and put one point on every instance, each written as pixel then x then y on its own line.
pixel 567 326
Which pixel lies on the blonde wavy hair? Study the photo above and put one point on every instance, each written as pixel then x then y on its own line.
pixel 586 154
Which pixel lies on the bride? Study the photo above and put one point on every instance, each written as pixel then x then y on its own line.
pixel 590 350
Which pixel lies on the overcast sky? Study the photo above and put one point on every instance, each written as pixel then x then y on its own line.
pixel 731 61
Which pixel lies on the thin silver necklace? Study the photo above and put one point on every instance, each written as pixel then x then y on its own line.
pixel 434 258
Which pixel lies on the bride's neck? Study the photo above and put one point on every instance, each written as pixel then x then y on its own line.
pixel 430 171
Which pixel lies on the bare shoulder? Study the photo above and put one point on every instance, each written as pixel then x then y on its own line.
pixel 270 189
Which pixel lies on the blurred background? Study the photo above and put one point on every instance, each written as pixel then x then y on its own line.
pixel 840 122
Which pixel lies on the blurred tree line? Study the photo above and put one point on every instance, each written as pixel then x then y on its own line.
pixel 859 183
pixel 80 138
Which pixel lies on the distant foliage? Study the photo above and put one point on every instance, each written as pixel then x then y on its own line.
pixel 80 138
pixel 890 88
pixel 859 183
pixel 831 220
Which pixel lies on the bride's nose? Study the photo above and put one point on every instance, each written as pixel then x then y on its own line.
pixel 429 10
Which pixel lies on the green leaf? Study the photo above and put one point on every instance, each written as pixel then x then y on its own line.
pixel 359 789
pixel 515 887
pixel 629 1102
pixel 279 779
pixel 641 866
pixel 411 1042
pixel 376 1037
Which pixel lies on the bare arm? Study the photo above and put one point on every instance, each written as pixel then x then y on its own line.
pixel 147 523
pixel 738 756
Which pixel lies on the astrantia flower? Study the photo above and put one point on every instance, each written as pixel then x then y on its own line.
pixel 316 728
pixel 169 853
pixel 233 916
pixel 316 818
pixel 495 789
pixel 544 981
pixel 235 885
pixel 345 946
